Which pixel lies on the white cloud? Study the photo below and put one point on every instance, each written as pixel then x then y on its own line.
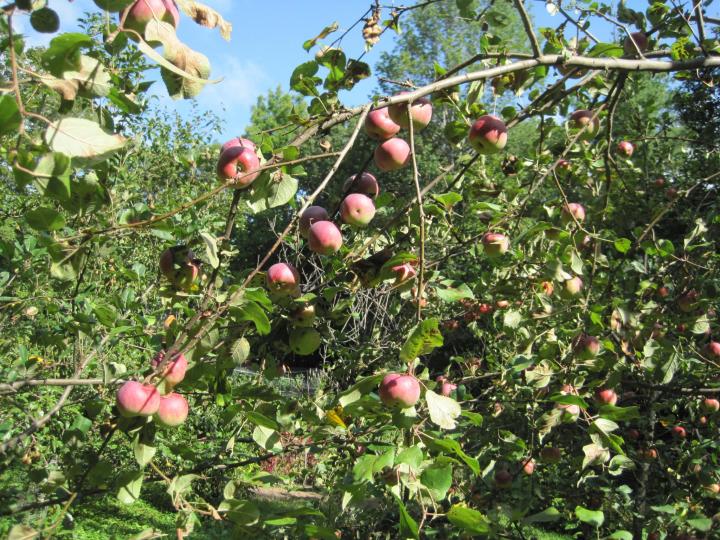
pixel 242 82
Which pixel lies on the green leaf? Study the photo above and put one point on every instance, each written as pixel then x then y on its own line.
pixel 548 515
pixel 619 414
pixel 81 138
pixel 267 438
pixel 438 479
pixel 448 200
pixel 63 53
pixel 303 78
pixel 621 535
pixel 9 115
pixel 363 468
pixel 468 519
pixel 240 351
pixel 254 313
pixel 423 339
pixel 45 219
pixel 443 410
pixel 271 191
pixel 244 513
pixel 22 532
pixel 211 249
pixel 357 390
pixel 452 447
pixel 143 452
pixel 412 457
pixel 408 526
pixel 453 291
pixel 106 314
pixel 605 49
pixel 702 524
pixel 130 484
pixel 512 319
pixel 591 517
pixel 260 419
pixel 623 245
pixel 325 32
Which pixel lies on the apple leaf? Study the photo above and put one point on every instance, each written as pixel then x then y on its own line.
pixel 408 526
pixel 546 516
pixel 81 138
pixel 468 519
pixel 45 219
pixel 591 517
pixel 423 339
pixel 205 16
pixel 267 438
pixel 9 115
pixel 143 452
pixel 240 351
pixel 211 249
pixel 130 486
pixel 443 410
pixel 438 479
pixel 452 291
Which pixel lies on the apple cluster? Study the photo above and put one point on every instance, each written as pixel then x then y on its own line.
pixel 180 267
pixel 143 399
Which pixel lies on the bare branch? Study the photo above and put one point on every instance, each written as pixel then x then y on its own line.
pixel 527 24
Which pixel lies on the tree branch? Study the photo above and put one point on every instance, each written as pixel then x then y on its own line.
pixel 527 24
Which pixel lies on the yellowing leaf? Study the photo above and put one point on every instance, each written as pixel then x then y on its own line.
pixel 206 16
pixel 443 410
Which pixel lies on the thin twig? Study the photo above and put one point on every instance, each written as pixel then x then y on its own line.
pixel 421 212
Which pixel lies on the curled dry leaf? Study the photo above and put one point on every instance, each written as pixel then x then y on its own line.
pixel 206 16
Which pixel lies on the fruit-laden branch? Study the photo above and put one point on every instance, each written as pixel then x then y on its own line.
pixel 40 422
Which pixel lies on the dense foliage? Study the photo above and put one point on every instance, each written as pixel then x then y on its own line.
pixel 513 340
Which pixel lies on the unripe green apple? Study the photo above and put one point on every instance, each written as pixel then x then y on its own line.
pixel 304 316
pixel 305 341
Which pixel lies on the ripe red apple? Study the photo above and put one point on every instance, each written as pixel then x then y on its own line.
pixel 687 302
pixel 681 328
pixel 392 155
pixel 606 396
pixel 484 309
pixel 379 125
pixel 713 349
pixel 503 479
pixel 404 272
pixel 238 141
pixel 137 399
pixel 710 405
pixel 572 287
pixel 581 118
pixel 174 371
pixel 399 390
pixel 420 113
pixel 625 148
pixel 663 292
pixel 633 434
pixel 310 216
pixel 550 454
pixel 570 211
pixel 586 347
pixel 671 193
pixel 648 454
pixel 529 467
pixel 283 278
pixel 659 182
pixel 678 432
pixel 547 287
pixel 502 304
pixel 304 316
pixel 488 135
pixel 357 210
pixel 143 11
pixel 495 244
pixel 324 237
pixel 240 163
pixel 173 410
pixel 180 267
pixel 639 39
pixel 563 165
pixel 365 183
pixel 447 388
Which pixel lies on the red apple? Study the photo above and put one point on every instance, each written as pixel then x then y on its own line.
pixel 671 193
pixel 240 163
pixel 399 390
pixel 392 155
pixel 488 135
pixel 659 182
pixel 379 125
pixel 713 349
pixel 420 113
pixel 663 292
pixel 238 141
pixel 529 466
pixel 310 216
pixel 648 454
pixel 137 399
pixel 547 287
pixel 563 165
pixel 586 347
pixel 172 411
pixel 365 183
pixel 357 210
pixel 625 148
pixel 180 267
pixel 639 39
pixel 502 304
pixel 174 371
pixel 503 479
pixel 324 237
pixel 550 454
pixel 606 396
pixel 710 405
pixel 283 278
pixel 403 273
pixel 678 432
pixel 570 211
pixel 582 118
pixel 495 244
pixel 633 434
pixel 138 15
pixel 447 388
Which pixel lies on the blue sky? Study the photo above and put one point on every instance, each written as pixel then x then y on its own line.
pixel 267 43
